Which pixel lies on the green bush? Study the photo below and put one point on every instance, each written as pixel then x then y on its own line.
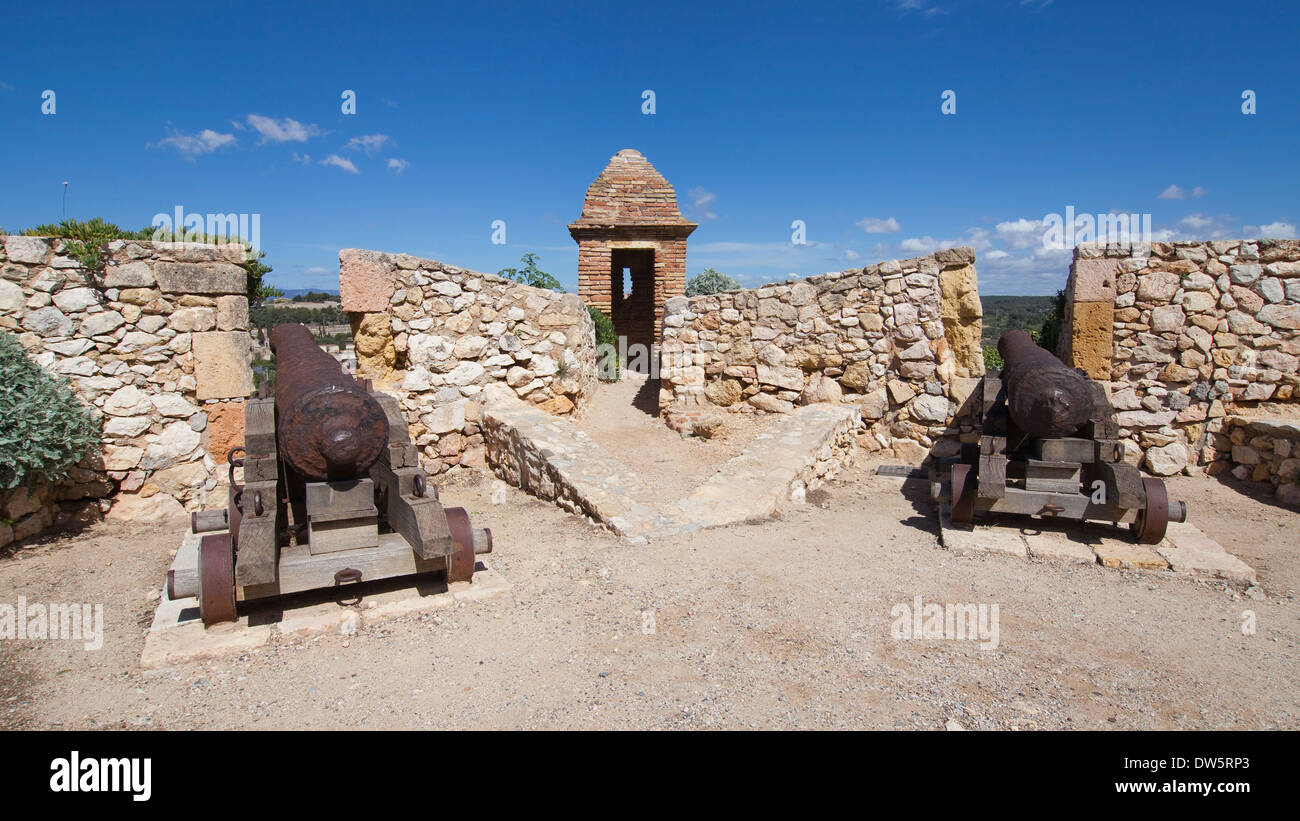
pixel 530 274
pixel 608 367
pixel 992 358
pixel 710 281
pixel 44 428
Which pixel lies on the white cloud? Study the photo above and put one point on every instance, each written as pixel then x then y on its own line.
pixel 282 131
pixel 302 159
pixel 1274 230
pixel 340 162
pixel 1021 233
pixel 1175 192
pixel 396 165
pixel 370 143
pixel 925 7
pixel 701 200
pixel 878 226
pixel 193 145
pixel 926 244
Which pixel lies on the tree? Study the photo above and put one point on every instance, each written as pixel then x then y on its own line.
pixel 1049 335
pixel 710 281
pixel 530 274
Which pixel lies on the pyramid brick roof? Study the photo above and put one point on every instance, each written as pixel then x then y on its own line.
pixel 630 192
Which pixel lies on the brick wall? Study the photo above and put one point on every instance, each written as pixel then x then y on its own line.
pixel 631 207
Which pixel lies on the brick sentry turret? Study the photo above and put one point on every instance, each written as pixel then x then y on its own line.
pixel 630 219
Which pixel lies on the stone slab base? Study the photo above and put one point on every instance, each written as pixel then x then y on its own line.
pixel 177 635
pixel 1185 550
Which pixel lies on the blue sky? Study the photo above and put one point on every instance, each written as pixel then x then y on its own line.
pixel 765 113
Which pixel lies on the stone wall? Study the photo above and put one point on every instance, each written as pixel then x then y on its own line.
pixel 436 336
pixel 1185 333
pixel 1262 450
pixel 901 339
pixel 157 343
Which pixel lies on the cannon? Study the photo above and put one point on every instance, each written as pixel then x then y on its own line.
pixel 1049 447
pixel 332 495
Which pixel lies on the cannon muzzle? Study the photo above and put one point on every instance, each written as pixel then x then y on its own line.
pixel 1044 397
pixel 327 426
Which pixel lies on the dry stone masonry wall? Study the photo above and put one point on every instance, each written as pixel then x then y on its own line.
pixel 900 339
pixel 1187 334
pixel 158 344
pixel 1263 450
pixel 436 336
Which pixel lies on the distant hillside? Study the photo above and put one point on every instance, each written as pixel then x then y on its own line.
pixel 1005 313
pixel 290 293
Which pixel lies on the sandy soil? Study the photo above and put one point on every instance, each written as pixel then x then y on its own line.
pixel 779 625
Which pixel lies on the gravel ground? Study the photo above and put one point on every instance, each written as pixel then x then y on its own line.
pixel 780 625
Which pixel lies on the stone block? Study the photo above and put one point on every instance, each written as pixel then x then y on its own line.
pixel 1092 338
pixel 232 313
pixel 1093 280
pixel 221 365
pixel 225 428
pixel 367 280
pixel 1128 556
pixel 131 275
pixel 200 278
pixel 1190 551
pixel 968 539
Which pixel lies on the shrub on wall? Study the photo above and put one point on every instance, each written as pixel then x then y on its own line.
pixel 88 241
pixel 530 274
pixel 710 281
pixel 608 367
pixel 44 428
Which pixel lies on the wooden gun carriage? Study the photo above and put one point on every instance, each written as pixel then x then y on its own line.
pixel 1049 447
pixel 332 494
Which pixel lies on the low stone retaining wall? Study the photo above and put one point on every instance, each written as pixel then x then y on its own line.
pixel 899 340
pixel 26 511
pixel 1260 450
pixel 800 454
pixel 437 336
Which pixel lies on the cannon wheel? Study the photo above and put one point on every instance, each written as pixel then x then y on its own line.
pixel 460 564
pixel 1154 517
pixel 216 579
pixel 963 494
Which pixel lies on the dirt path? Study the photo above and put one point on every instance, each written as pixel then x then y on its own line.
pixel 619 419
pixel 785 624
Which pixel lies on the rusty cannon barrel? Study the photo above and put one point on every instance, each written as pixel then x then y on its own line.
pixel 1045 398
pixel 327 426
